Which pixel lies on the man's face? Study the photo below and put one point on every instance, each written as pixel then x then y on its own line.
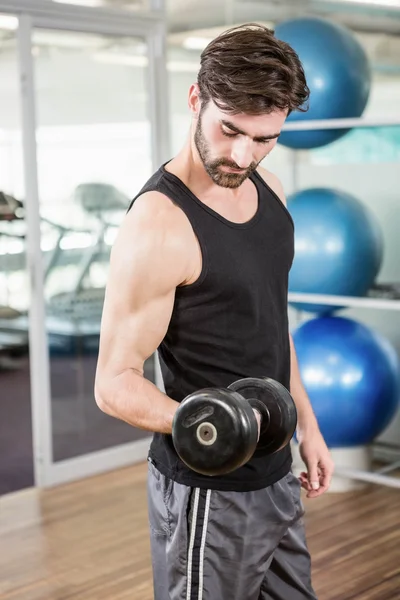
pixel 232 146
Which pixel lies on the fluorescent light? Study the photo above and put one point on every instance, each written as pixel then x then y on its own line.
pixel 81 2
pixel 175 66
pixel 196 43
pixel 382 3
pixel 8 22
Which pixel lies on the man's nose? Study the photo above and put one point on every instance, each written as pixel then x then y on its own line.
pixel 241 152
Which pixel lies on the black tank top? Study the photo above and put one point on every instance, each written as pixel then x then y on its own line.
pixel 231 323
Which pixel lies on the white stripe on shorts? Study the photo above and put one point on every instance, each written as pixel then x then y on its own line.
pixel 203 543
pixel 191 544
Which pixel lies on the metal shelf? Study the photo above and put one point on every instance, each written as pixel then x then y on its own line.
pixel 307 125
pixel 346 301
pixel 377 477
pixel 386 476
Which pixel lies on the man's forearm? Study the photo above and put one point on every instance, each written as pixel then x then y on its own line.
pixel 135 400
pixel 305 413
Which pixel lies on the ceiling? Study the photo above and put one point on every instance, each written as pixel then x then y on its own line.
pixel 375 22
pixel 362 15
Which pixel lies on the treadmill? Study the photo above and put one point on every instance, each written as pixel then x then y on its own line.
pixel 73 317
pixel 13 342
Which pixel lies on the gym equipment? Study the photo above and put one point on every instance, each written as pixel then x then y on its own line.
pixel 10 208
pixel 12 343
pixel 338 246
pixel 73 316
pixel 351 374
pixel 215 430
pixel 337 72
pixel 387 290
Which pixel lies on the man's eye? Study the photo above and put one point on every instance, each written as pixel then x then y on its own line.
pixel 228 134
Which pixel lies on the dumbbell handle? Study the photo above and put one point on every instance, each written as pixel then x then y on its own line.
pixel 262 414
pixel 258 416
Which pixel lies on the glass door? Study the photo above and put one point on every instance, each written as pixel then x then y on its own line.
pixel 93 155
pixel 90 96
pixel 16 451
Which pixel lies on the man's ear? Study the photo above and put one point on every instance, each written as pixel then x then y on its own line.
pixel 194 101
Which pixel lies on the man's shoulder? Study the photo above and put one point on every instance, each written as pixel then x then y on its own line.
pixel 273 182
pixel 156 208
pixel 155 222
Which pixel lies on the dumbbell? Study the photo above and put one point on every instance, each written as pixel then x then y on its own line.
pixel 215 430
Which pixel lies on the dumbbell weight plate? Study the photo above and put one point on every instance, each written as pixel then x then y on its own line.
pixel 214 431
pixel 278 430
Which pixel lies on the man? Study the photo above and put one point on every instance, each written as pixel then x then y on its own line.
pixel 199 271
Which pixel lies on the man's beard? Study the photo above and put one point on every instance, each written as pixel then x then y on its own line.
pixel 212 166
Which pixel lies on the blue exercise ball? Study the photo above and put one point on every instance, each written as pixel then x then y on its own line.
pixel 338 245
pixel 351 374
pixel 338 74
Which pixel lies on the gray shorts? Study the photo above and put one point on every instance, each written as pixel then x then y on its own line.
pixel 212 545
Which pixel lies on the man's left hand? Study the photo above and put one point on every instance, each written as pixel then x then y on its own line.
pixel 318 461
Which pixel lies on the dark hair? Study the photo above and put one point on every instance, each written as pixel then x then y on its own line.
pixel 247 69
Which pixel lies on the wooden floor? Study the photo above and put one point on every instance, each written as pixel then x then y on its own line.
pixel 89 541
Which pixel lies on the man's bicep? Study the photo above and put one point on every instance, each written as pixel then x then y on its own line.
pixel 143 275
pixel 133 329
